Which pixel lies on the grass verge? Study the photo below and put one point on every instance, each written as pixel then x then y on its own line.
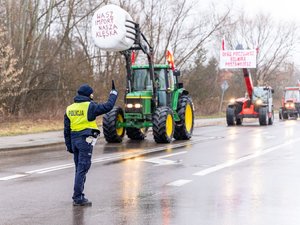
pixel 28 126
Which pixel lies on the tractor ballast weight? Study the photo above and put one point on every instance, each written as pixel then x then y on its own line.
pixel 257 104
pixel 154 97
pixel 290 104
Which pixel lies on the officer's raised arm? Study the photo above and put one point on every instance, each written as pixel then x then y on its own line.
pixel 102 108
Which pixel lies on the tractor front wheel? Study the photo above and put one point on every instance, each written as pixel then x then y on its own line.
pixel 113 133
pixel 263 116
pixel 163 125
pixel 136 133
pixel 184 128
pixel 230 116
pixel 285 115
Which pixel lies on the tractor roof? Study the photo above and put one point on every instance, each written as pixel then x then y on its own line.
pixel 156 66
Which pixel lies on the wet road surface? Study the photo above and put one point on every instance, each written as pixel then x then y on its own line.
pixel 223 175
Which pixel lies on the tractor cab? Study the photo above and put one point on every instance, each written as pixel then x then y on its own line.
pixel 290 106
pixel 262 95
pixel 164 83
pixel 292 95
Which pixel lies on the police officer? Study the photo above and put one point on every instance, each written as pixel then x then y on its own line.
pixel 80 131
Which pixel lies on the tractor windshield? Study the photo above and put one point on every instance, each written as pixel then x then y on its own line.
pixel 292 94
pixel 141 80
pixel 260 93
pixel 160 79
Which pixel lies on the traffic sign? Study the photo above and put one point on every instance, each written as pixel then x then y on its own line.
pixel 224 85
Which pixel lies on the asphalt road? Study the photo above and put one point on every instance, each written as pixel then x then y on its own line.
pixel 224 175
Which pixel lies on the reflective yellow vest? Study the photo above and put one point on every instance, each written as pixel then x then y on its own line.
pixel 78 115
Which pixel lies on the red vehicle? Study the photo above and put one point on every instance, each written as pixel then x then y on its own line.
pixel 258 104
pixel 290 106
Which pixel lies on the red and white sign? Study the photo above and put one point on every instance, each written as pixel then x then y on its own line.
pixel 231 59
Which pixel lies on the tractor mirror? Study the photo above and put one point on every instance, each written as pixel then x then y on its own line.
pixel 176 73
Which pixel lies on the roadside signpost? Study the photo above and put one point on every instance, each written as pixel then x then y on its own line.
pixel 224 87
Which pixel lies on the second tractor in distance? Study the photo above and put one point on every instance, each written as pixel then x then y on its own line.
pixel 290 105
pixel 257 104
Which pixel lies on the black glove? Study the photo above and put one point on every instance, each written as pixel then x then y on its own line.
pixel 95 133
pixel 113 88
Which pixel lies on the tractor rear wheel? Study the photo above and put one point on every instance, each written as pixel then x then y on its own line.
pixel 163 125
pixel 113 133
pixel 271 119
pixel 280 114
pixel 136 133
pixel 285 115
pixel 239 121
pixel 263 116
pixel 184 128
pixel 230 116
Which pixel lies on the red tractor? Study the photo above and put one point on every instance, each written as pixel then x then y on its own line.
pixel 290 106
pixel 257 104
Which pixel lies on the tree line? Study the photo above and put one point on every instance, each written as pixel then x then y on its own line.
pixel 47 52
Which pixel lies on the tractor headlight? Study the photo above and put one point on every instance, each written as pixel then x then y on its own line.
pixel 129 106
pixel 232 100
pixel 259 102
pixel 290 105
pixel 137 106
pixel 134 105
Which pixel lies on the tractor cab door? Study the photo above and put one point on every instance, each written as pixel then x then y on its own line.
pixel 165 86
pixel 270 100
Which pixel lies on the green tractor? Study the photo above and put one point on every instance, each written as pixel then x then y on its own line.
pixel 154 98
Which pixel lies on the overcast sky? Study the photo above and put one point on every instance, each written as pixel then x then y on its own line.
pixel 279 9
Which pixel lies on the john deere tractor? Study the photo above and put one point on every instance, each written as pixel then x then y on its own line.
pixel 154 98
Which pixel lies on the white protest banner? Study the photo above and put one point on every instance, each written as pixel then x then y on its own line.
pixel 230 59
pixel 112 29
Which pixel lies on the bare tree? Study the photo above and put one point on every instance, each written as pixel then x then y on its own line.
pixel 10 75
pixel 274 41
pixel 175 25
pixel 53 46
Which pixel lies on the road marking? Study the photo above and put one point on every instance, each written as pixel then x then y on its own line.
pixel 50 169
pixel 163 162
pixel 242 159
pixel 179 183
pixel 119 156
pixel 13 177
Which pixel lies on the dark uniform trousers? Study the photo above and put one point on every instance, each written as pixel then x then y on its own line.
pixel 82 159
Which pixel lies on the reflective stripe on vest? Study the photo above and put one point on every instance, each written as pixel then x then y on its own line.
pixel 78 115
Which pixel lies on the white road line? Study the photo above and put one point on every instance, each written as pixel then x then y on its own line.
pixel 179 183
pixel 119 156
pixel 243 159
pixel 53 168
pixel 161 161
pixel 13 177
